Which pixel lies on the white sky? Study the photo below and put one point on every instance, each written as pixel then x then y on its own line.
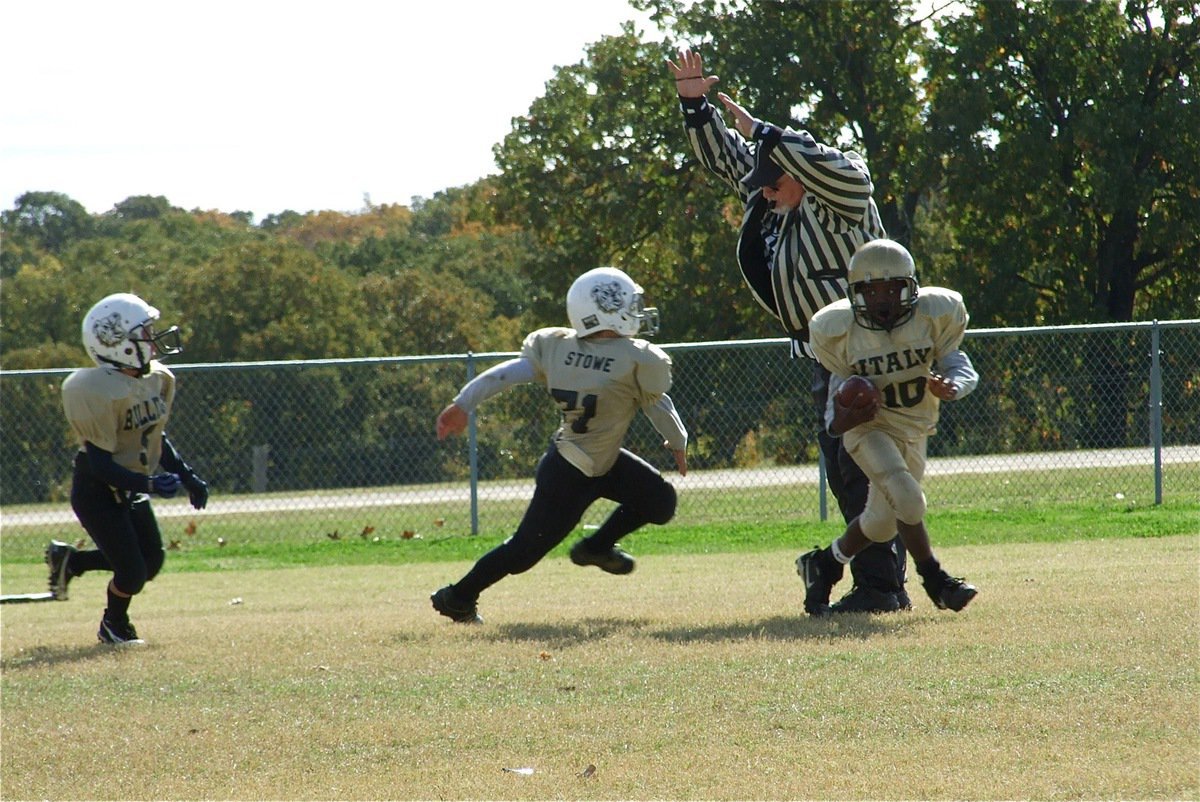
pixel 262 105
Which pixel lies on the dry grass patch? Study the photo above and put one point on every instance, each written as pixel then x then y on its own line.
pixel 1073 675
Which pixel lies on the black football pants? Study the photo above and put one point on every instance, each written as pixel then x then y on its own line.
pixel 561 495
pixel 124 530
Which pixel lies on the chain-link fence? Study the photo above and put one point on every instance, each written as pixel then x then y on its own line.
pixel 1061 414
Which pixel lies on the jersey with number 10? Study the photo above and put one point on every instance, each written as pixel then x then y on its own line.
pixel 600 384
pixel 898 362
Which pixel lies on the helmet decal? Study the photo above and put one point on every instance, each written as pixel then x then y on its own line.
pixel 608 296
pixel 109 331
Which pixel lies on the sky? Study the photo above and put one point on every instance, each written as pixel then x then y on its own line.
pixel 263 106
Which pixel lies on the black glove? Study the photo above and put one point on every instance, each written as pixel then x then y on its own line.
pixel 164 484
pixel 197 490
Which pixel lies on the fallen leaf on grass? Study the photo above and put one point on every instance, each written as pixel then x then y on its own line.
pixel 589 771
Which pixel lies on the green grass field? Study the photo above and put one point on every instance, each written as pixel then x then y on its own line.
pixel 298 667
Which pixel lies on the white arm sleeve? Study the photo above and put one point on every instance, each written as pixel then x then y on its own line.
pixel 956 366
pixel 494 380
pixel 668 423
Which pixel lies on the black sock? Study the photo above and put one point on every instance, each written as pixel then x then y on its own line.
pixel 118 606
pixel 929 569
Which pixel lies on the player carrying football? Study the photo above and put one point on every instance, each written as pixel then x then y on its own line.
pixel 905 340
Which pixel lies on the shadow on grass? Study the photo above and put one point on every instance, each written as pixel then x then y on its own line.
pixel 42 656
pixel 800 627
pixel 572 633
pixel 780 628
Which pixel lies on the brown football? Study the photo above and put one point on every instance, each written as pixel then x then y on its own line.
pixel 857 391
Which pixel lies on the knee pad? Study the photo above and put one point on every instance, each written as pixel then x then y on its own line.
pixel 905 496
pixel 154 563
pixel 660 508
pixel 130 581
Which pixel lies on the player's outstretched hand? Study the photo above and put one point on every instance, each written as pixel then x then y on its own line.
pixel 680 459
pixel 688 73
pixel 197 490
pixel 742 119
pixel 452 420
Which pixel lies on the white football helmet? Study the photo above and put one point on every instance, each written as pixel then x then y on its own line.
pixel 883 261
pixel 119 331
pixel 606 298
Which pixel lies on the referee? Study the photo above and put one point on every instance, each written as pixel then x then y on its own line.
pixel 808 207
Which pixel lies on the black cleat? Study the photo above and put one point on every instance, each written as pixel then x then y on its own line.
pixel 950 593
pixel 612 560
pixel 117 633
pixel 57 556
pixel 867 600
pixel 818 582
pixel 450 605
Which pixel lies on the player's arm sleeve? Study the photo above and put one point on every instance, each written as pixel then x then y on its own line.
pixel 956 366
pixel 104 468
pixel 666 420
pixel 171 460
pixel 839 179
pixel 721 150
pixel 493 381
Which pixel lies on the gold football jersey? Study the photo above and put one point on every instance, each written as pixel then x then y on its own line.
pixel 600 384
pixel 898 362
pixel 120 413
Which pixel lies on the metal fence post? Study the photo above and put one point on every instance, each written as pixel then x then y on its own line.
pixel 1156 410
pixel 473 453
pixel 822 496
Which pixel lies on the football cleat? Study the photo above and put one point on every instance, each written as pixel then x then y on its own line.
pixel 818 579
pixel 867 600
pixel 613 560
pixel 446 602
pixel 118 633
pixel 58 554
pixel 950 593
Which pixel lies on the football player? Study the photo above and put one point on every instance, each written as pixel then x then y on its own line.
pixel 905 339
pixel 118 412
pixel 600 374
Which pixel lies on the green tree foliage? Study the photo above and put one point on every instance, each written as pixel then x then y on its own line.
pixel 272 299
pixel 39 222
pixel 597 172
pixel 1070 135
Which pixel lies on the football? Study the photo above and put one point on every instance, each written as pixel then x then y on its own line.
pixel 857 391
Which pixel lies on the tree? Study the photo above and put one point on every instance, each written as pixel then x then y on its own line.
pixel 1072 134
pixel 40 221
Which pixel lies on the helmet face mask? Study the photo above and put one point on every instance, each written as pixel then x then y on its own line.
pixel 119 332
pixel 606 299
pixel 882 285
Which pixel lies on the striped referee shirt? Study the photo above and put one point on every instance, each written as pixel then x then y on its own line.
pixel 794 264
